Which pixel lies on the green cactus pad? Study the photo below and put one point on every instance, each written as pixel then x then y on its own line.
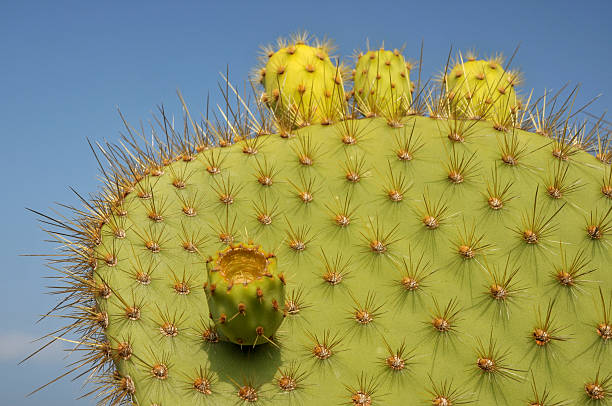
pixel 382 83
pixel 440 261
pixel 443 254
pixel 303 85
pixel 482 88
pixel 245 294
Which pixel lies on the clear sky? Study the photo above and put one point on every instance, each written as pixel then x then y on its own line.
pixel 65 67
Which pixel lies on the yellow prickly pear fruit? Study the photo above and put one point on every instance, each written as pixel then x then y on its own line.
pixel 302 84
pixel 482 88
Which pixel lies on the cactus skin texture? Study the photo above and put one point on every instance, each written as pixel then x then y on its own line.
pixel 245 294
pixel 429 258
pixel 382 82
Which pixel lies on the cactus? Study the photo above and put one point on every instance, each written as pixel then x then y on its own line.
pixel 430 257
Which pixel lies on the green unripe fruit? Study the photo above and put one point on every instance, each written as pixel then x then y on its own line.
pixel 245 294
pixel 303 86
pixel 382 83
pixel 480 88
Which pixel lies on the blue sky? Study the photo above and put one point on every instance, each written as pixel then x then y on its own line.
pixel 65 67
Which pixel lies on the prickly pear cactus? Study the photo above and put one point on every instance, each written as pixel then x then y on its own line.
pixel 431 258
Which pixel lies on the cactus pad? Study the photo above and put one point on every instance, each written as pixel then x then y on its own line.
pixel 436 259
